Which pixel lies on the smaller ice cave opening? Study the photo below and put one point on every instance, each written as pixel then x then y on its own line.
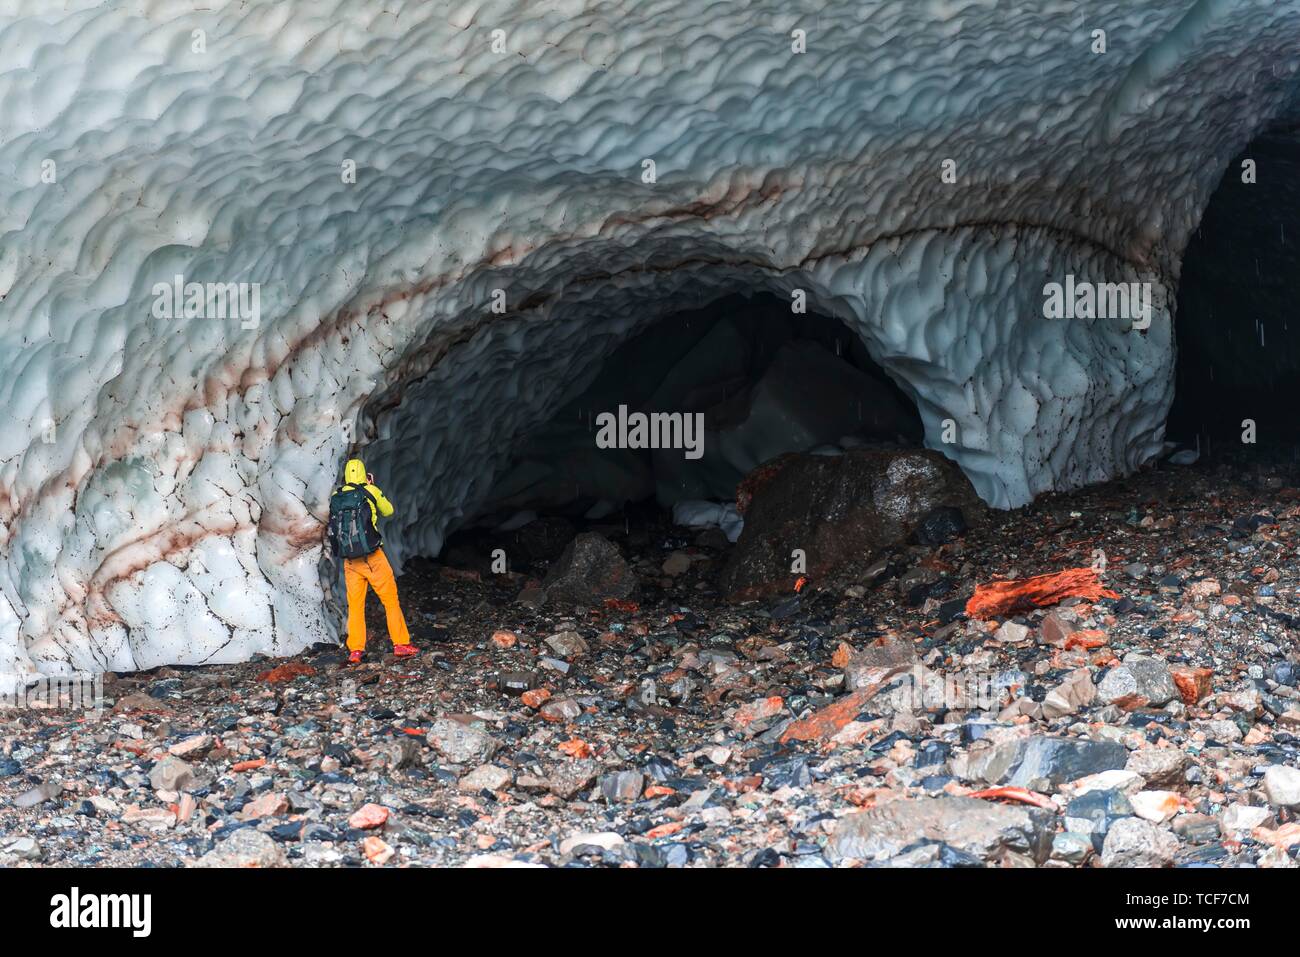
pixel 1237 331
pixel 746 378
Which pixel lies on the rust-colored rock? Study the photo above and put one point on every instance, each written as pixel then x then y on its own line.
pixel 377 850
pixel 824 723
pixel 1193 683
pixel 843 654
pixel 368 817
pixel 287 672
pixel 998 599
pixel 759 710
pixel 535 698
pixel 1087 639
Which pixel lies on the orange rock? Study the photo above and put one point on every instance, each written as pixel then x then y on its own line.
pixel 376 850
pixel 505 639
pixel 759 710
pixel 1131 702
pixel 535 698
pixel 1019 594
pixel 368 817
pixel 658 790
pixel 287 672
pixel 575 748
pixel 663 830
pixel 843 655
pixel 269 804
pixel 743 785
pixel 252 765
pixel 1089 638
pixel 830 719
pixel 1193 683
pixel 1018 794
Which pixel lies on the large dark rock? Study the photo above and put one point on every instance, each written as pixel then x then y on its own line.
pixel 589 572
pixel 840 510
pixel 1045 762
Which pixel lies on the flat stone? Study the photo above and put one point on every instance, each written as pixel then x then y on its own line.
pixel 1238 818
pixel 561 709
pixel 568 644
pixel 980 828
pixel 39 794
pixel 247 847
pixel 192 747
pixel 22 849
pixel 270 804
pixel 606 840
pixel 1044 762
pixel 571 777
pixel 1197 828
pixel 872 666
pixel 155 818
pixel 485 777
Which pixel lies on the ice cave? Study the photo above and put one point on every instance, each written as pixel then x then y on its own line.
pixel 446 237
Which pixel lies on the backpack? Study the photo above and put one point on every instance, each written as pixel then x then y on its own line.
pixel 351 525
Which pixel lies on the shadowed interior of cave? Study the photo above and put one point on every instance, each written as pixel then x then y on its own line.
pixel 765 380
pixel 1238 334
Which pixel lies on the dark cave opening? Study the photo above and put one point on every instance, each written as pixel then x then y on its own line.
pixel 760 379
pixel 1238 357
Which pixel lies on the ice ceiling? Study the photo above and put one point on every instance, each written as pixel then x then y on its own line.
pixel 164 480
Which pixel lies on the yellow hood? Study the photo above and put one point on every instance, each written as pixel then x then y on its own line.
pixel 354 473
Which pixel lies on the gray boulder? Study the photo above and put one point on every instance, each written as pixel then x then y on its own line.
pixel 979 828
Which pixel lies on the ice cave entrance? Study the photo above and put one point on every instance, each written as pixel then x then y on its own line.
pixel 725 386
pixel 1238 335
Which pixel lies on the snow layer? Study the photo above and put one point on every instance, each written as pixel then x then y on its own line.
pixel 164 480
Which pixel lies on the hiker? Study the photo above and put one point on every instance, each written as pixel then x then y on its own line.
pixel 355 508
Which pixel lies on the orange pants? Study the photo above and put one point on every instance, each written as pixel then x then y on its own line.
pixel 375 572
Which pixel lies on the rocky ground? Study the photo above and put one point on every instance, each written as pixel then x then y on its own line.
pixel 863 720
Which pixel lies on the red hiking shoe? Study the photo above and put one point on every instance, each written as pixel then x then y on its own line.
pixel 355 657
pixel 403 651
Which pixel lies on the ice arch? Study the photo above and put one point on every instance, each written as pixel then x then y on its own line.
pixel 163 480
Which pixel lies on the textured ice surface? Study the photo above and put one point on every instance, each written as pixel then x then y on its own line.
pixel 164 480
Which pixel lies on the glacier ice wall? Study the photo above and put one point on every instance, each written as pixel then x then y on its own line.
pixel 163 480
